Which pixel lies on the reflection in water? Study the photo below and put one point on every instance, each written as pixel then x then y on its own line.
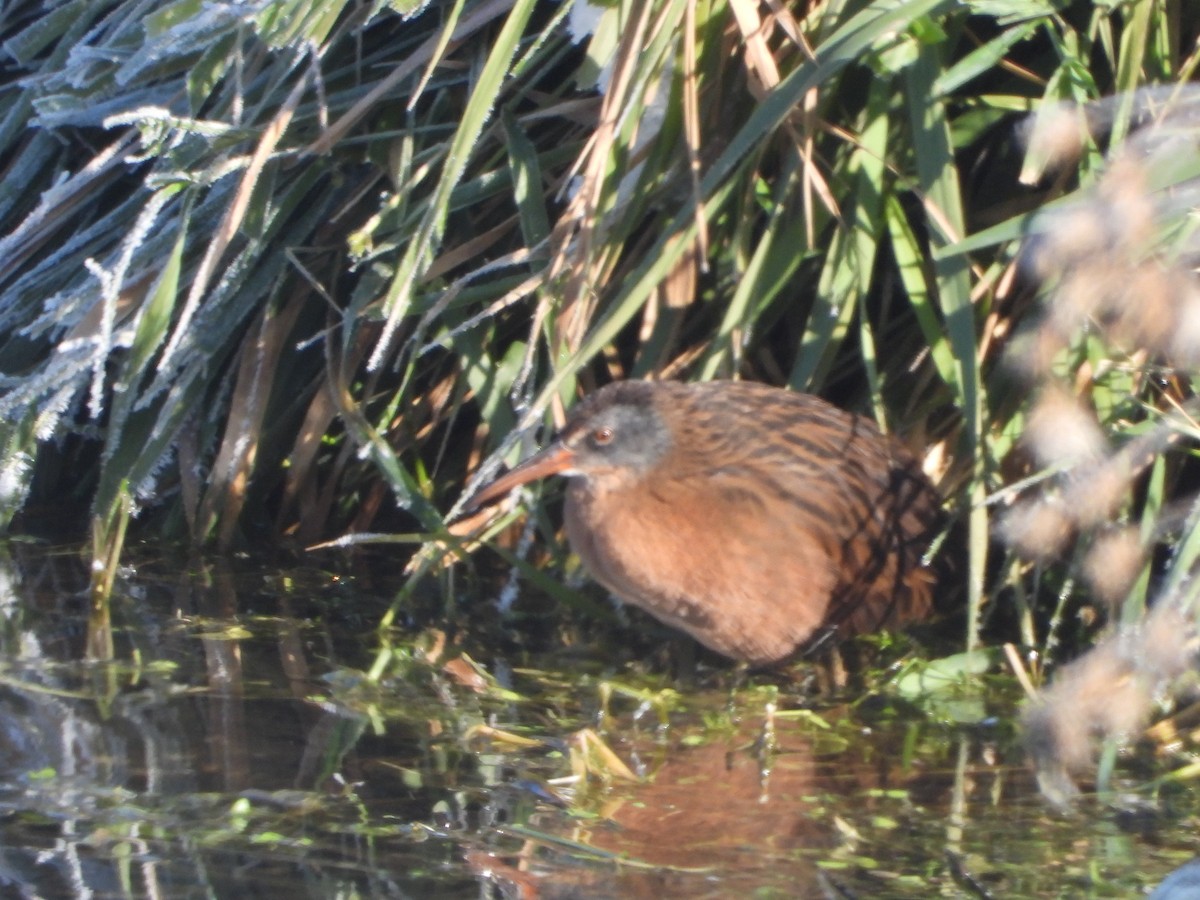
pixel 722 818
pixel 728 817
pixel 232 749
pixel 159 769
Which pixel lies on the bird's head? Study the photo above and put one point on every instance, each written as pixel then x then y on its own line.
pixel 617 432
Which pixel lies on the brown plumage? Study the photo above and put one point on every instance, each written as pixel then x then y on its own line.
pixel 756 519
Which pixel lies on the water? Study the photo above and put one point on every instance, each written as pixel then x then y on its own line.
pixel 236 747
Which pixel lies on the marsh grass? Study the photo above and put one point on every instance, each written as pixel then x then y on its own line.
pixel 295 270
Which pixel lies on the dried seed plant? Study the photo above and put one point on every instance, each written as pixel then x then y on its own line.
pixel 1109 693
pixel 1109 361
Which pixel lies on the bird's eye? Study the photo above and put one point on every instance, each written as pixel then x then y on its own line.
pixel 602 437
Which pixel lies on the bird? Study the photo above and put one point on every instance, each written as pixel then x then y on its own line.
pixel 759 520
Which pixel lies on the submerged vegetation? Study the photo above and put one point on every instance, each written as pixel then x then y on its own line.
pixel 296 270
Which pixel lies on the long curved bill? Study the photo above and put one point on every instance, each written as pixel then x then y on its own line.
pixel 554 460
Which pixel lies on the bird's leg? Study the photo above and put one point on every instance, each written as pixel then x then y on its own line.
pixel 682 653
pixel 737 681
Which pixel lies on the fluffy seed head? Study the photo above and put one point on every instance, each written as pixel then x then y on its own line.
pixel 1038 529
pixel 1061 431
pixel 1113 564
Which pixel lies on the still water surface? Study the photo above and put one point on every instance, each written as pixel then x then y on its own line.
pixel 238 747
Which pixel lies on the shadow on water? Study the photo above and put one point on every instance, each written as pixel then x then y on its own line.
pixel 235 749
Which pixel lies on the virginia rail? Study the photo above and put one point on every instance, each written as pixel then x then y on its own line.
pixel 756 519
